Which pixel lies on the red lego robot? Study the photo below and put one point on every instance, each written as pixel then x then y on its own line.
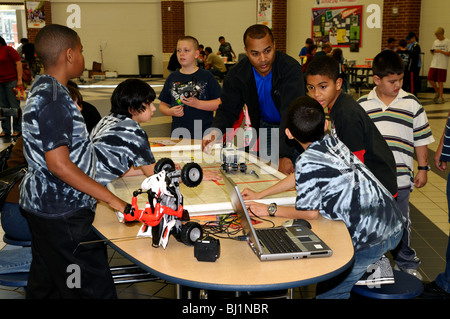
pixel 164 214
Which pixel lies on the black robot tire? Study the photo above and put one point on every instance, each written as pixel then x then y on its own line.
pixel 164 164
pixel 192 174
pixel 190 233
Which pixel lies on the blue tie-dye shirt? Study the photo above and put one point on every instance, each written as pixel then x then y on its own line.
pixel 331 179
pixel 50 120
pixel 119 143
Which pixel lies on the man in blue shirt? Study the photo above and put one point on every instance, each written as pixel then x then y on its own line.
pixel 267 81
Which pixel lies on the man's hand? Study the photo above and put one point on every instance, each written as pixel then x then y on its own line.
pixel 208 141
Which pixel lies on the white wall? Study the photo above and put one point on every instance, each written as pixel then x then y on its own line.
pixel 134 27
pixel 207 20
pixel 129 29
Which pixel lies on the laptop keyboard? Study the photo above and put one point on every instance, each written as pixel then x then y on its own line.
pixel 276 240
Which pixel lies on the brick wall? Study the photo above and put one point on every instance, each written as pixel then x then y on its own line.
pixel 32 32
pixel 406 20
pixel 172 17
pixel 279 23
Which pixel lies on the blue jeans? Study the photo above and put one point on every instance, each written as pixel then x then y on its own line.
pixel 10 106
pixel 443 279
pixel 15 260
pixel 404 256
pixel 340 286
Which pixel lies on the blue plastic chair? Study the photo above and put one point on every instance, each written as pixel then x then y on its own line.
pixel 16 242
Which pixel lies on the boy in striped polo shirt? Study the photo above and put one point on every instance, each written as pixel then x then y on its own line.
pixel 402 121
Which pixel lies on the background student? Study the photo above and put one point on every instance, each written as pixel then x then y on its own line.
pixel 191 94
pixel 403 122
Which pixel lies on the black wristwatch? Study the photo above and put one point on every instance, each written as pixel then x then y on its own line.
pixel 424 168
pixel 272 209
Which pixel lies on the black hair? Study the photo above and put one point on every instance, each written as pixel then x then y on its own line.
pixel 323 65
pixel 306 119
pixel 52 40
pixel 337 54
pixel 131 94
pixel 208 49
pixel 402 43
pixel 75 95
pixel 74 92
pixel 257 31
pixel 311 48
pixel 387 62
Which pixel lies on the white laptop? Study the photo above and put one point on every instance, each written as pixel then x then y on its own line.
pixel 291 242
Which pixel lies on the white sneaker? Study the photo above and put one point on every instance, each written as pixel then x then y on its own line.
pixel 379 273
pixel 413 272
pixel 440 100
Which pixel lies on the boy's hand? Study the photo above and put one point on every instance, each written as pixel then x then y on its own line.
pixel 285 166
pixel 440 165
pixel 190 101
pixel 257 208
pixel 420 179
pixel 177 111
pixel 118 204
pixel 249 194
pixel 209 175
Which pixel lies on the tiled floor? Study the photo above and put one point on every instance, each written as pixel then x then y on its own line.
pixel 429 212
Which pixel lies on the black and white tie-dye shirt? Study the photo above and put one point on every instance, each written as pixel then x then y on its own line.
pixel 50 120
pixel 331 179
pixel 119 143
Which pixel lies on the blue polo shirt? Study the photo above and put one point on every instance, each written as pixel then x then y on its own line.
pixel 269 112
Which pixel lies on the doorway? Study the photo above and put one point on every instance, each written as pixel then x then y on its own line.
pixel 12 23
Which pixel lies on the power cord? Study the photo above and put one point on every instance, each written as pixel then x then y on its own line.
pixel 227 227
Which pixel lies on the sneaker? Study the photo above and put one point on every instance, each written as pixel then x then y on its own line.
pixel 411 271
pixel 378 273
pixel 433 291
pixel 439 100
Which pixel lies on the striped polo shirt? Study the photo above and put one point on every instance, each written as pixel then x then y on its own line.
pixel 404 125
pixel 445 154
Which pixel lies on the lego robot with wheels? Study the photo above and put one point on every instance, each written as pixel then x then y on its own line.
pixel 164 214
pixel 230 159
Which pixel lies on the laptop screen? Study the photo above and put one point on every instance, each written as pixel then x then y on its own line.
pixel 240 209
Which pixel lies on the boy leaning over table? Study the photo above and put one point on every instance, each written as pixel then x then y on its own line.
pixel 331 181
